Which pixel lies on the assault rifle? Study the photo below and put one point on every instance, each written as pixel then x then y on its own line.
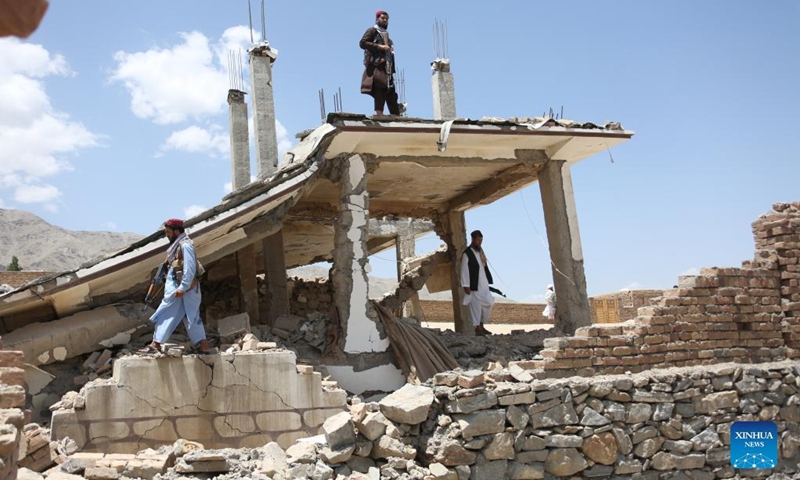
pixel 155 285
pixel 492 289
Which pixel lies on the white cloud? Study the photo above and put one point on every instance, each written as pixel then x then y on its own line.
pixel 111 225
pixel 213 141
pixel 2 203
pixel 193 210
pixel 187 80
pixel 691 271
pixel 631 286
pixel 34 137
pixel 36 193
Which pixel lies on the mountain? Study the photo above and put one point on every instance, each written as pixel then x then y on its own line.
pixel 40 246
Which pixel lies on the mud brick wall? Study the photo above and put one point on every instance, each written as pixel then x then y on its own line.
pixel 777 235
pixel 12 415
pixel 620 306
pixel 747 314
pixel 441 311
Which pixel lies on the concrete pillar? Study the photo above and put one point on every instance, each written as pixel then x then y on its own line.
pixel 240 139
pixel 275 276
pixel 444 91
pixel 453 230
pixel 248 283
pixel 405 246
pixel 261 59
pixel 561 220
pixel 358 319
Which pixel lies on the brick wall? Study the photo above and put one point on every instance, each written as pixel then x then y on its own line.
pixel 620 306
pixel 18 279
pixel 745 315
pixel 441 311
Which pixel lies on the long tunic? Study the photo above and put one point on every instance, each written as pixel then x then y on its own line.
pixel 481 300
pixel 172 309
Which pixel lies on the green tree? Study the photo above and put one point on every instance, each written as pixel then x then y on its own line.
pixel 14 265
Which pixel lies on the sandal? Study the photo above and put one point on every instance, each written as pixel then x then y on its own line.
pixel 148 350
pixel 198 351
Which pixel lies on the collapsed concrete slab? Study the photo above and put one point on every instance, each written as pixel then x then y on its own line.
pixel 84 332
pixel 242 400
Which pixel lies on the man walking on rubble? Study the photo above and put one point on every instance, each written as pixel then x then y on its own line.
pixel 379 68
pixel 475 279
pixel 181 293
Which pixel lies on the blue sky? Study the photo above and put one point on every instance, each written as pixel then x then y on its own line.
pixel 113 115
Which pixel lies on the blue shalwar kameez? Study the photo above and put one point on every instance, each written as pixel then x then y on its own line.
pixel 172 310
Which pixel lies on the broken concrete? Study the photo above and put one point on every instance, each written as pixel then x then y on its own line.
pixel 151 401
pixel 78 334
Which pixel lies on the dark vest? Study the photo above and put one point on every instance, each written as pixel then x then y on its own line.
pixel 472 263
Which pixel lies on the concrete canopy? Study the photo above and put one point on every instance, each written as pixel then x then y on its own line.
pixel 415 169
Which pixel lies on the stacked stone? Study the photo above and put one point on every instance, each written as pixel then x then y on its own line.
pixel 12 413
pixel 308 296
pixel 39 452
pixel 777 235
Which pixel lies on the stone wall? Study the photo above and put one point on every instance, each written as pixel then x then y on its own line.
pixel 746 315
pixel 236 400
pixel 13 417
pixel 308 296
pixel 504 425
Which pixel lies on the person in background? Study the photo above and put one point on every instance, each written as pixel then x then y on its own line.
pixel 475 280
pixel 550 299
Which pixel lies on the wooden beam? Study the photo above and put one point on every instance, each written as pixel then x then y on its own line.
pixel 502 184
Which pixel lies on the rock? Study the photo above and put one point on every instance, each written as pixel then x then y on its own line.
pixel 387 446
pixel 471 379
pixel 716 401
pixel 340 432
pixel 663 412
pixel 322 472
pixel 481 401
pixel 626 467
pixel 534 443
pixel 624 444
pixel 301 453
pixel 231 327
pixel 500 447
pixel 440 472
pixel 593 419
pixel 451 454
pixel 523 471
pixel 648 447
pixel 517 417
pixel 482 423
pixel 98 473
pixel 667 461
pixel 562 414
pixel 490 469
pixel 204 456
pixel 643 434
pixel 563 441
pixel 181 447
pixel 680 446
pixel 340 455
pixel 273 459
pixel 601 448
pixel 373 425
pixel 25 474
pixel 409 405
pixel 216 466
pixel 639 412
pixel 563 462
pixel 708 438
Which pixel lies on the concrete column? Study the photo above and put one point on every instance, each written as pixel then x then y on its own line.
pixel 405 246
pixel 358 318
pixel 275 276
pixel 561 220
pixel 444 91
pixel 240 139
pixel 261 59
pixel 454 233
pixel 248 283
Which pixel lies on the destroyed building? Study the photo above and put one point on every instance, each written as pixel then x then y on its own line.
pixel 650 397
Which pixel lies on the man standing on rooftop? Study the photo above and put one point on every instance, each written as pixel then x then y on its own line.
pixel 378 78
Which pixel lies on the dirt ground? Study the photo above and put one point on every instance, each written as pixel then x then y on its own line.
pixel 499 328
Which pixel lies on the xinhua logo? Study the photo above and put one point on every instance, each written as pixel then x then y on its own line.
pixel 754 445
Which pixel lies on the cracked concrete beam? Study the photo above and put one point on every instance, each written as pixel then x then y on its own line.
pixel 507 181
pixel 84 332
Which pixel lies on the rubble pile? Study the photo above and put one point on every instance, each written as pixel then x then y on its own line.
pixel 671 423
pixel 489 351
pixel 38 453
pixel 12 413
pixel 306 296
